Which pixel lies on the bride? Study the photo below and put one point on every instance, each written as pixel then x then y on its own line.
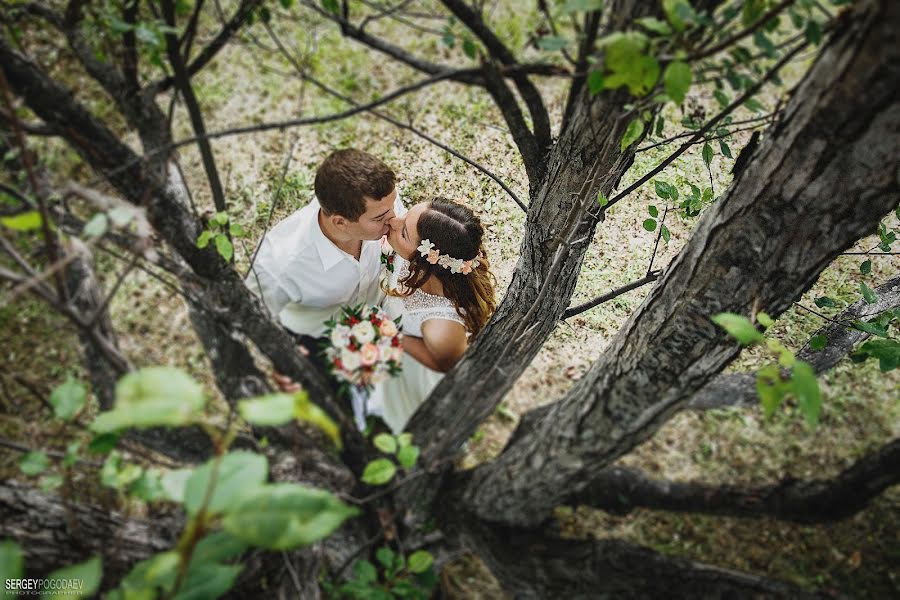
pixel 444 291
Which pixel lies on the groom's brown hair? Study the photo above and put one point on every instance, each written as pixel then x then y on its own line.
pixel 347 177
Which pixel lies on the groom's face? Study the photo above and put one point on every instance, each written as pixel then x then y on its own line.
pixel 373 223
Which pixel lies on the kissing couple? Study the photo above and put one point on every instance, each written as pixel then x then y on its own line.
pixel 328 255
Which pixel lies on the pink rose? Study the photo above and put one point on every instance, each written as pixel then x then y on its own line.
pixel 467 267
pixel 368 355
pixel 388 328
pixel 433 256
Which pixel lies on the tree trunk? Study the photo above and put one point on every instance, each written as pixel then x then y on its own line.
pixel 822 180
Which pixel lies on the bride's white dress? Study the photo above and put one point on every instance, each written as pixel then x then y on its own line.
pixel 396 399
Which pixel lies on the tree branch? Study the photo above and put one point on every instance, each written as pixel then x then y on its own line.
pixel 497 49
pixel 537 564
pixel 209 51
pixel 739 389
pixel 620 490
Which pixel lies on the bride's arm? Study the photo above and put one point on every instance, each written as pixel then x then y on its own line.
pixel 442 344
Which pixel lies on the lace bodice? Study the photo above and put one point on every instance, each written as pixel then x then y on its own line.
pixel 419 306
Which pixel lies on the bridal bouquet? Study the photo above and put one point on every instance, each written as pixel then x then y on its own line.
pixel 363 346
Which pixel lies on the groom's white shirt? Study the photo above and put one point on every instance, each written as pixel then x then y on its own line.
pixel 304 279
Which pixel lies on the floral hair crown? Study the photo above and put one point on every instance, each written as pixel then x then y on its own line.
pixel 456 265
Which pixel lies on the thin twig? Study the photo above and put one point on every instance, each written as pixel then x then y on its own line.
pixel 577 310
pixel 658 235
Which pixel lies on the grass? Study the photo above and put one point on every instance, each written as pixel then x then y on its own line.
pixel 862 406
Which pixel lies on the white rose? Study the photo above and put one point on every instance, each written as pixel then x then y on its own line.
pixel 397 354
pixel 363 332
pixel 340 336
pixel 349 360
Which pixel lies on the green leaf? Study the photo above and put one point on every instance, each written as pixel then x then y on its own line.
pixel 205 237
pixel 103 443
pixel 50 482
pixel 764 319
pixel 365 571
pixel 602 200
pixel 309 412
pixel 469 48
pixel 806 389
pixel 867 293
pixel 217 547
pixel 385 556
pixel 654 212
pixel 825 302
pixel 236 230
pixel 582 5
pixel 552 43
pixel 221 217
pixel 677 80
pixel 660 123
pixel 68 398
pixel 88 574
pixel 287 3
pixel 663 189
pixel 770 388
pixel 595 82
pixel 174 483
pixel 721 97
pixel 886 351
pixel 150 397
pixel 817 342
pixel 385 442
pixel 379 471
pixel 26 221
pixel 240 473
pixel 655 25
pixel 666 234
pixel 872 327
pixel 273 409
pixel 726 151
pixel 224 247
pixel 753 10
pixel 148 487
pixel 286 515
pixel 813 32
pixel 34 463
pixel 738 327
pixel 97 226
pixel 407 456
pixel 419 561
pixel 404 439
pixel 679 13
pixel 331 6
pixel 208 580
pixel 650 224
pixel 866 267
pixel 632 133
pixel 628 65
pixel 707 153
pixel 12 561
pixel 753 105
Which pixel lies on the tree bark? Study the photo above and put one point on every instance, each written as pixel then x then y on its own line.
pixel 821 181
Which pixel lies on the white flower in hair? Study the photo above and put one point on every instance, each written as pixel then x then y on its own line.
pixel 425 247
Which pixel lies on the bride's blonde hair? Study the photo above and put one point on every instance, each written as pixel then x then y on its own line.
pixel 455 231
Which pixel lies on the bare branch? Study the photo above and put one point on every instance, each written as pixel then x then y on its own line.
pixel 621 490
pixel 497 49
pixel 577 310
pixel 209 52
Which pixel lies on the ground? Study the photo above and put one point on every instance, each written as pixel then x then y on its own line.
pixel 856 557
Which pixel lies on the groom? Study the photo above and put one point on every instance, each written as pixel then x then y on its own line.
pixel 328 254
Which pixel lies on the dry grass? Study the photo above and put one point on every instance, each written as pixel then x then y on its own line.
pixel 862 407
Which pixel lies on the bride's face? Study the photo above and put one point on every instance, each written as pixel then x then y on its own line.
pixel 404 235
